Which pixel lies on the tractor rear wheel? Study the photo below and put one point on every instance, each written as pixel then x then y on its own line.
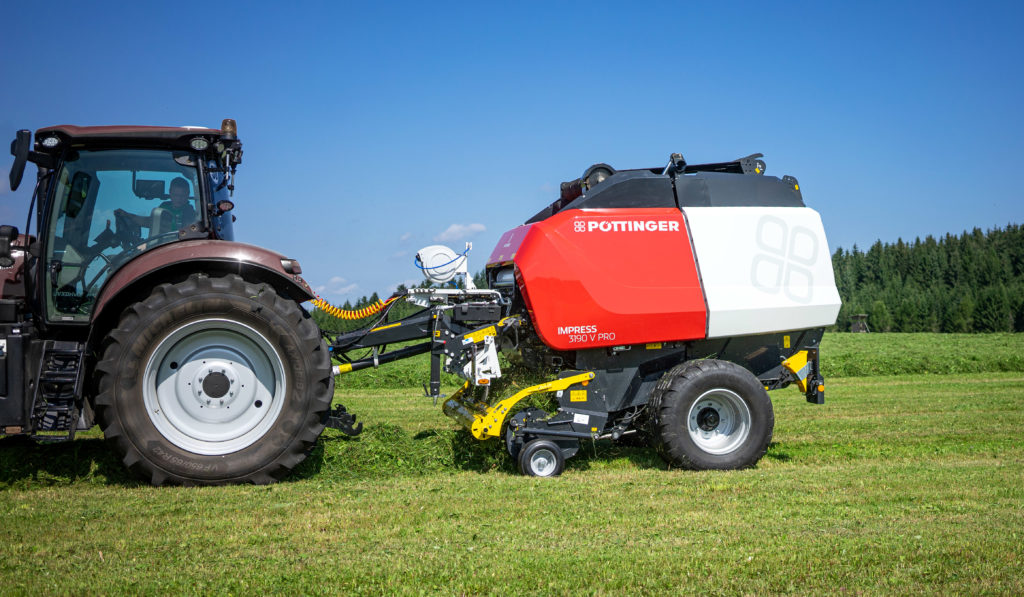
pixel 710 414
pixel 212 381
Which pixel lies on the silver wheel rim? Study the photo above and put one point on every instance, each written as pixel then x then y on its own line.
pixel 543 462
pixel 214 386
pixel 719 421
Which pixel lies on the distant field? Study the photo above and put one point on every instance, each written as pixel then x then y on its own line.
pixel 911 485
pixel 845 355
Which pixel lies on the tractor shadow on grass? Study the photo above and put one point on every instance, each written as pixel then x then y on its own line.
pixel 25 462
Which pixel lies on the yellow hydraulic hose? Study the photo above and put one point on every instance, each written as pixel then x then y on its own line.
pixel 352 315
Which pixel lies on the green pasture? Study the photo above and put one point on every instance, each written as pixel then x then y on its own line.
pixel 843 355
pixel 910 484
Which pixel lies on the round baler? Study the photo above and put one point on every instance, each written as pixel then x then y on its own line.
pixel 667 301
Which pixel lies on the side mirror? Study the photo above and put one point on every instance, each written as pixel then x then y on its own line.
pixel 19 149
pixel 8 234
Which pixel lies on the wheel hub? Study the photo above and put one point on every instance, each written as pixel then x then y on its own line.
pixel 543 462
pixel 708 419
pixel 214 384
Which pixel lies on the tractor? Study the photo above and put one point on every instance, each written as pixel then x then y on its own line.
pixel 133 307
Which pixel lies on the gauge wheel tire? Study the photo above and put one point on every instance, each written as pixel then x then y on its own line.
pixel 710 414
pixel 541 458
pixel 180 360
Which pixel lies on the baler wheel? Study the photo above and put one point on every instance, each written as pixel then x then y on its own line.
pixel 541 458
pixel 214 380
pixel 710 414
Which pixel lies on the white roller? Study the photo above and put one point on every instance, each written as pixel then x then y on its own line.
pixel 764 269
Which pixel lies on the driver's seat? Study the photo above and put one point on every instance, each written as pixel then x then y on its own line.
pixel 163 221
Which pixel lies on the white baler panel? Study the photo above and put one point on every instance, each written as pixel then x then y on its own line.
pixel 764 269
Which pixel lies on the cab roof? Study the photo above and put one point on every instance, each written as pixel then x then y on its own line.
pixel 126 133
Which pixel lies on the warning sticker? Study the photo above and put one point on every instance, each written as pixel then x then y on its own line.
pixel 578 396
pixel 581 419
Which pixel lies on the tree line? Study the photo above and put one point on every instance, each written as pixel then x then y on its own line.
pixel 968 283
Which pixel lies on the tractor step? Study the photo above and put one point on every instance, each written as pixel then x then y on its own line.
pixel 56 403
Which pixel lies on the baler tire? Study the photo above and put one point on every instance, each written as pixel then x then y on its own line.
pixel 213 335
pixel 694 399
pixel 541 458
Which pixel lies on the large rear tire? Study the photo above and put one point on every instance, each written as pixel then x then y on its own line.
pixel 710 414
pixel 213 381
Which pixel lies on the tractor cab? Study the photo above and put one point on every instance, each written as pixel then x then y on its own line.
pixel 108 194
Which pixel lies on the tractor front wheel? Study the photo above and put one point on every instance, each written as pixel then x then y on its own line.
pixel 212 381
pixel 710 414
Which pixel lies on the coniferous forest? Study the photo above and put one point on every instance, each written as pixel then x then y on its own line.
pixel 968 283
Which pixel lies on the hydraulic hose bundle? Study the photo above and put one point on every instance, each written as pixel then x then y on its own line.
pixel 346 314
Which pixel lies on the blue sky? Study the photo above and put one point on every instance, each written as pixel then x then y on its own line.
pixel 370 132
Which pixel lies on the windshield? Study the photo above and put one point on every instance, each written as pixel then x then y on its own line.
pixel 108 206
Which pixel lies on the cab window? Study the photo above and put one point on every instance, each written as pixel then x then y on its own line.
pixel 110 206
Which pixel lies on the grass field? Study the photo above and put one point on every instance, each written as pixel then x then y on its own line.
pixel 843 355
pixel 911 484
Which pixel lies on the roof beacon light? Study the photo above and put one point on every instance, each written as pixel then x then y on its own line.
pixel 228 128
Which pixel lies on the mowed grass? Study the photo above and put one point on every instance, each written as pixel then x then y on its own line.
pixel 910 485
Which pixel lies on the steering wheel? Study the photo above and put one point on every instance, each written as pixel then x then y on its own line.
pixel 127 235
pixel 127 232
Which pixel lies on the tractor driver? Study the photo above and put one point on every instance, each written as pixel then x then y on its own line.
pixel 178 211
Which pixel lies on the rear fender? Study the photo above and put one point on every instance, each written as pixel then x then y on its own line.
pixel 175 262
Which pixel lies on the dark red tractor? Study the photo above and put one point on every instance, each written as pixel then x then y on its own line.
pixel 131 306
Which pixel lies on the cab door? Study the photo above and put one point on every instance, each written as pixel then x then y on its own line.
pixel 102 216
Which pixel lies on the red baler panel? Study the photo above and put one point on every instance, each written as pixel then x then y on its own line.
pixel 608 277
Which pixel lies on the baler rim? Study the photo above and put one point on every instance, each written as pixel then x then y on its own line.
pixel 732 412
